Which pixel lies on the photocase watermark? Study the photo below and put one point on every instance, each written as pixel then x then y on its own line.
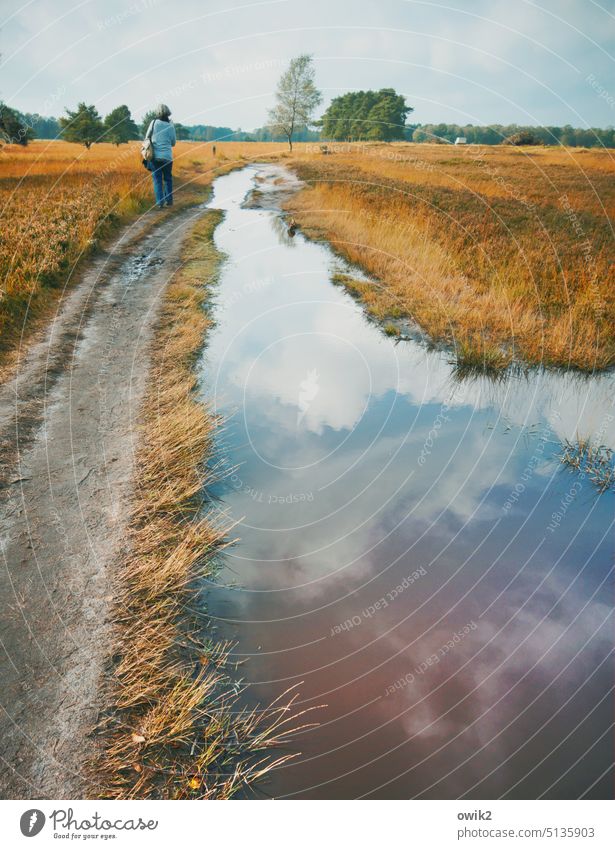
pixel 91 827
pixel 131 11
pixel 32 822
pixel 519 488
pixel 432 659
pixel 382 603
pixel 494 173
pixel 261 497
pixel 126 155
pixel 308 390
pixel 53 98
pixel 291 498
pixel 434 431
pixel 375 151
pixel 229 72
pixel 565 502
pixel 587 250
pixel 233 71
pixel 607 419
pixel 253 287
pixel 601 91
pixel 432 436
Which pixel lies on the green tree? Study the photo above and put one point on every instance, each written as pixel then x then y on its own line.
pixel 182 133
pixel 296 99
pixel 83 126
pixel 13 127
pixel 119 126
pixel 387 117
pixel 373 115
pixel 147 120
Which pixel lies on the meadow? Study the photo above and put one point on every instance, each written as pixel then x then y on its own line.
pixel 59 202
pixel 501 254
pixel 505 254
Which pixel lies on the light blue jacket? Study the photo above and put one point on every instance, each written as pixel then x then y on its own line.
pixel 163 138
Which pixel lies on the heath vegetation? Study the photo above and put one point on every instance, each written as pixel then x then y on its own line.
pixel 502 253
pixel 59 201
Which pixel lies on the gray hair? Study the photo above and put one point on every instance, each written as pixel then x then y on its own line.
pixel 162 111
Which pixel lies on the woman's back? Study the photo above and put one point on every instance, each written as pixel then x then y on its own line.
pixel 163 138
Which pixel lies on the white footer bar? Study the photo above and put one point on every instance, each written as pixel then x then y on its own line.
pixel 314 824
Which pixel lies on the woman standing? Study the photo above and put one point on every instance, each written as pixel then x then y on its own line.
pixel 162 133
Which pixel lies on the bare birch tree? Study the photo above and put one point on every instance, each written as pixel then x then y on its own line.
pixel 297 97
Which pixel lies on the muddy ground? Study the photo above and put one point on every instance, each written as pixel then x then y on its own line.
pixel 68 432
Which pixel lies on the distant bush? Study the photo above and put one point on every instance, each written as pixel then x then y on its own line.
pixel 525 137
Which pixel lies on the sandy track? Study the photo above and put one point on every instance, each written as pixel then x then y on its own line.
pixel 67 439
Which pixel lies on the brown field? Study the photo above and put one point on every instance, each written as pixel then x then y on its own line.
pixel 58 201
pixel 503 253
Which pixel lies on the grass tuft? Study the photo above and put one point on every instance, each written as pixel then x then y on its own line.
pixel 592 461
pixel 480 358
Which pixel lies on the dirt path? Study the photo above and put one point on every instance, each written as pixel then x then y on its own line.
pixel 67 437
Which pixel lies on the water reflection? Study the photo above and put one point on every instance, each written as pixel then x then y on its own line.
pixel 411 550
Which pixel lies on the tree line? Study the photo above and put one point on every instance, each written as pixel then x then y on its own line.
pixel 84 126
pixel 512 134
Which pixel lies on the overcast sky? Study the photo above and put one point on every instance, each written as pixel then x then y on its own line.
pixel 217 61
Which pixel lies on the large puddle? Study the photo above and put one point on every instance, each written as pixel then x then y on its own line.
pixel 410 549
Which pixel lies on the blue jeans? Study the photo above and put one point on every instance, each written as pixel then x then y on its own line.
pixel 162 174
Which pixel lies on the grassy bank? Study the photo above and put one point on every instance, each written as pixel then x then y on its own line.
pixel 173 726
pixel 59 202
pixel 503 254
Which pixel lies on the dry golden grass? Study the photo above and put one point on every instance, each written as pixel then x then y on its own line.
pixel 503 253
pixel 58 201
pixel 173 727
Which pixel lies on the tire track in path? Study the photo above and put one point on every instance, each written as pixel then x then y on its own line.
pixel 68 431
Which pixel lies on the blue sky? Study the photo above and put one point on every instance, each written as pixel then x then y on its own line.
pixel 217 62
